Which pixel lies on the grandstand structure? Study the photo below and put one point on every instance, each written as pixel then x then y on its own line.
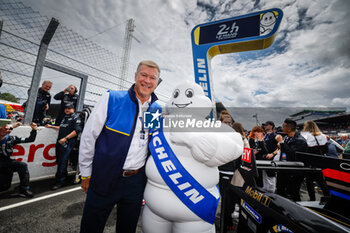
pixel 331 121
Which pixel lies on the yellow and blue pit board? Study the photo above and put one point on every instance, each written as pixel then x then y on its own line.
pixel 243 33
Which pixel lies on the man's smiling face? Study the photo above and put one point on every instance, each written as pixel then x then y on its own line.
pixel 146 80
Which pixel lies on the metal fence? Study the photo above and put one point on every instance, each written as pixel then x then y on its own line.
pixel 20 38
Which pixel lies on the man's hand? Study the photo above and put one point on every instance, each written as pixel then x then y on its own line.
pixel 62 140
pixel 279 138
pixel 46 107
pixel 269 156
pixel 52 126
pixel 34 126
pixel 17 124
pixel 85 185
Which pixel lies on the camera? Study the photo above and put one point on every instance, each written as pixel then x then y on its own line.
pixel 68 89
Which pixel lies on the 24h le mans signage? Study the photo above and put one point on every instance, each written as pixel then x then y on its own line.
pixel 243 33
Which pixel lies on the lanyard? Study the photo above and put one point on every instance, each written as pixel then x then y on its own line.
pixel 288 139
pixel 142 131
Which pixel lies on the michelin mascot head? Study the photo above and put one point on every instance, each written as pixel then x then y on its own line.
pixel 189 98
pixel 181 193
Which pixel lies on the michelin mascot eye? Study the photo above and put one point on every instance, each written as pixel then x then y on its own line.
pixel 176 93
pixel 189 93
pixel 181 193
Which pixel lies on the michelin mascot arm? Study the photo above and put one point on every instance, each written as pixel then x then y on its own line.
pixel 212 149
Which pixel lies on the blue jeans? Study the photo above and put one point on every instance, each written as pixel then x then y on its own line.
pixel 62 157
pixel 127 194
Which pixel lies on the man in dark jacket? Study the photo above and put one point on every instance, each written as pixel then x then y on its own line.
pixel 67 96
pixel 290 182
pixel 42 102
pixel 269 151
pixel 69 128
pixel 7 164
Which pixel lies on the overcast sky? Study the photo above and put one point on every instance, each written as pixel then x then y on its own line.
pixel 307 66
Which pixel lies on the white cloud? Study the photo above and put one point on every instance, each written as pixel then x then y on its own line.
pixel 308 65
pixel 341 101
pixel 312 71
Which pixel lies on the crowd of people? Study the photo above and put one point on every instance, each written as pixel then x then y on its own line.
pixel 268 144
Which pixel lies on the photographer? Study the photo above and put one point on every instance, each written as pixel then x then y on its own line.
pixel 67 96
pixel 7 143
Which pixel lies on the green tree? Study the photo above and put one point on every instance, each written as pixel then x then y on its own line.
pixel 9 97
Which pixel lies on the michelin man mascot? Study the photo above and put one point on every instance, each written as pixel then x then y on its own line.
pixel 181 193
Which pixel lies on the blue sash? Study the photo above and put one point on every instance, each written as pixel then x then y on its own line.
pixel 185 187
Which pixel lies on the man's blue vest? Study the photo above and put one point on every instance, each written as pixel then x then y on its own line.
pixel 113 143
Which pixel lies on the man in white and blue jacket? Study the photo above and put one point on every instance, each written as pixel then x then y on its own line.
pixel 113 151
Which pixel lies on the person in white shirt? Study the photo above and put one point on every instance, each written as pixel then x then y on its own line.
pixel 113 151
pixel 317 144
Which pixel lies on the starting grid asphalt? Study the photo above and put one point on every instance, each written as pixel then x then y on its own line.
pixel 38 199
